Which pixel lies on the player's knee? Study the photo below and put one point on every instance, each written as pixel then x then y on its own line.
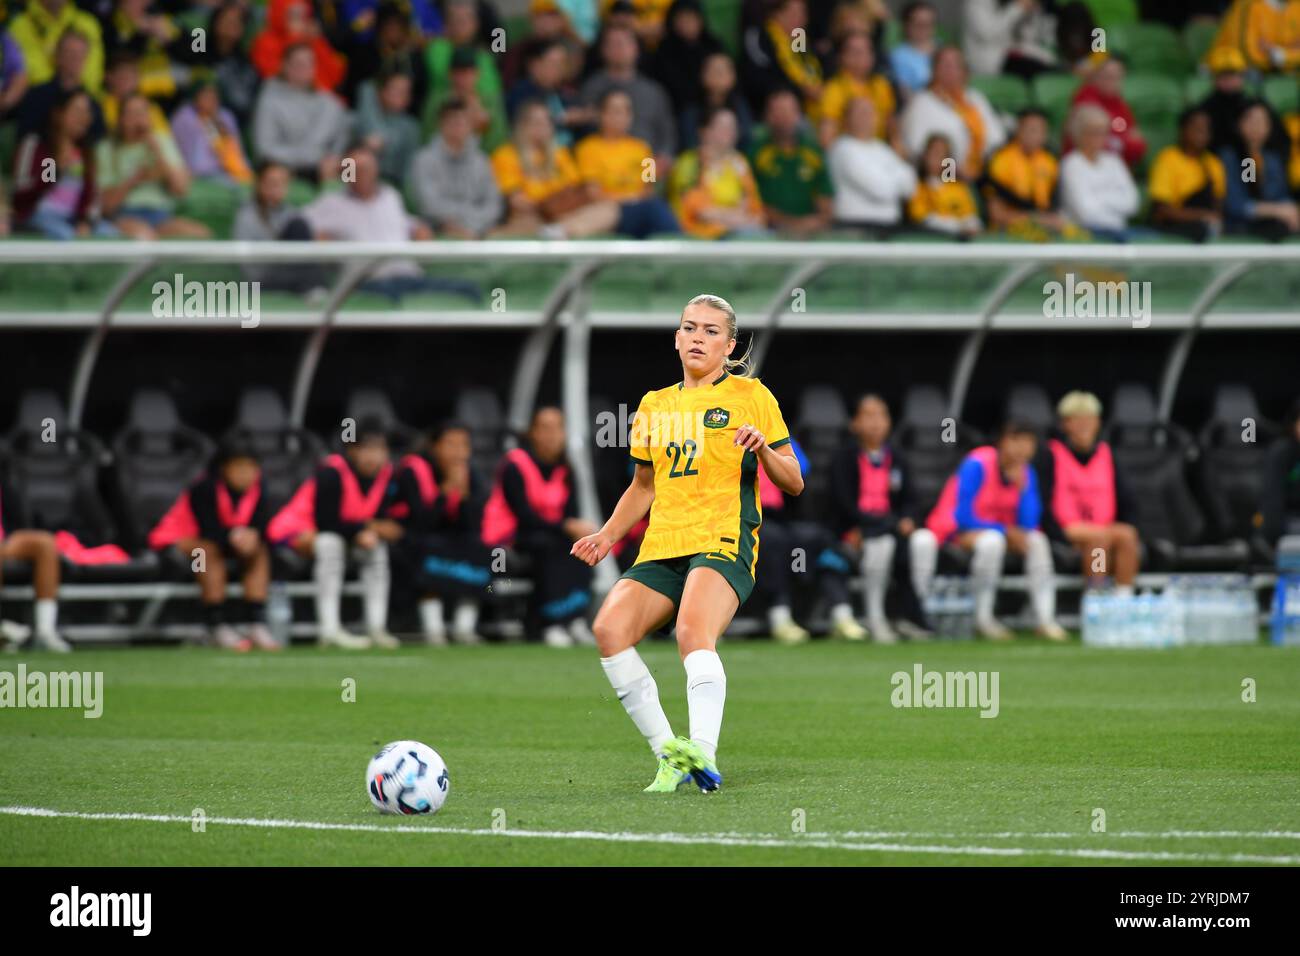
pixel 1124 535
pixel 612 636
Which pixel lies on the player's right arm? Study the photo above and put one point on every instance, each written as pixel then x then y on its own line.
pixel 631 508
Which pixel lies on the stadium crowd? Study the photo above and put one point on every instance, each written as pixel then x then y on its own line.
pixel 425 519
pixel 387 121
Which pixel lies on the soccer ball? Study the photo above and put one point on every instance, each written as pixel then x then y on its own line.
pixel 407 777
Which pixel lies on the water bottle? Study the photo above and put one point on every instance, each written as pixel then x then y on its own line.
pixel 964 610
pixel 279 613
pixel 1091 611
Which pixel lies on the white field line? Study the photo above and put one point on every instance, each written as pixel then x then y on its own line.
pixel 677 839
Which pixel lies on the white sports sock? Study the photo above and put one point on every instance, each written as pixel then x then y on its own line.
pixel 1041 578
pixel 923 552
pixel 431 622
pixel 47 616
pixel 877 559
pixel 639 695
pixel 466 618
pixel 841 612
pixel 986 571
pixel 374 586
pixel 328 574
pixel 706 694
pixel 1126 590
pixel 778 614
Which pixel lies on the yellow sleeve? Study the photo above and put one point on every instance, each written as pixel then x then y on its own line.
pixel 1160 182
pixel 506 168
pixel 639 442
pixel 566 169
pixel 771 423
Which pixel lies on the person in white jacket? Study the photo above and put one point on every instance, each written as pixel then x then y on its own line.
pixel 1096 189
pixel 949 108
pixel 1007 36
pixel 871 181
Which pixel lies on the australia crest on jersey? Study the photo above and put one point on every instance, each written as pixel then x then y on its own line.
pixel 716 418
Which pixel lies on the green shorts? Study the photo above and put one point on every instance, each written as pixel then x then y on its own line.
pixel 668 576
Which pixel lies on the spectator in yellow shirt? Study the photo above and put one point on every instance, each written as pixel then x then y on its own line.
pixel 1186 183
pixel 855 79
pixel 37 30
pixel 713 190
pixel 619 167
pixel 1020 185
pixel 121 81
pixel 1271 40
pixel 544 193
pixel 942 202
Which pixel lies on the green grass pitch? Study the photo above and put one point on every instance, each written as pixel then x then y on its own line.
pixel 546 768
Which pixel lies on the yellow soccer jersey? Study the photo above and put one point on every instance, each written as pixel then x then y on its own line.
pixel 706 487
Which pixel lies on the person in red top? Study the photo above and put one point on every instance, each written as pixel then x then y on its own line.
pixel 223 516
pixel 290 23
pixel 345 508
pixel 1086 501
pixel 1105 88
pixel 534 509
pixel 440 501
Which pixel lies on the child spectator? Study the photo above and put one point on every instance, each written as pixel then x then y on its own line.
pixel 67 206
pixel 142 176
pixel 942 202
pixel 712 188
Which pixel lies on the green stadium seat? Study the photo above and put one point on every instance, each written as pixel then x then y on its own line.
pixel 1198 37
pixel 1052 94
pixel 301 192
pixel 1007 94
pixel 1112 13
pixel 214 204
pixel 1158 136
pixel 1282 93
pixel 723 20
pixel 1155 46
pixel 1196 88
pixel 1156 100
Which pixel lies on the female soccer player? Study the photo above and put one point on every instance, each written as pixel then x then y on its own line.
pixel 697 446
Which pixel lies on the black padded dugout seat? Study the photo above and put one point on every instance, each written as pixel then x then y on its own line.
pixel 1029 404
pixel 155 457
pixel 1228 470
pixel 919 434
pixel 1153 456
pixel 373 403
pixel 480 409
pixel 821 428
pixel 288 455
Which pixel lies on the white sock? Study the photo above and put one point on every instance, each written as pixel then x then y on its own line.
pixel 841 612
pixel 328 573
pixel 639 695
pixel 877 559
pixel 1041 578
pixel 431 621
pixel 374 585
pixel 706 694
pixel 923 552
pixel 1126 590
pixel 778 615
pixel 47 616
pixel 986 571
pixel 466 618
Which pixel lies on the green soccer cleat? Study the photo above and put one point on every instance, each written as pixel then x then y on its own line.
pixel 668 779
pixel 686 755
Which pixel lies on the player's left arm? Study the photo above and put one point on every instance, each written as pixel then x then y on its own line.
pixel 769 439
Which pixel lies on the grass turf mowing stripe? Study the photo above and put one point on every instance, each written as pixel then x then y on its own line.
pixel 681 839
